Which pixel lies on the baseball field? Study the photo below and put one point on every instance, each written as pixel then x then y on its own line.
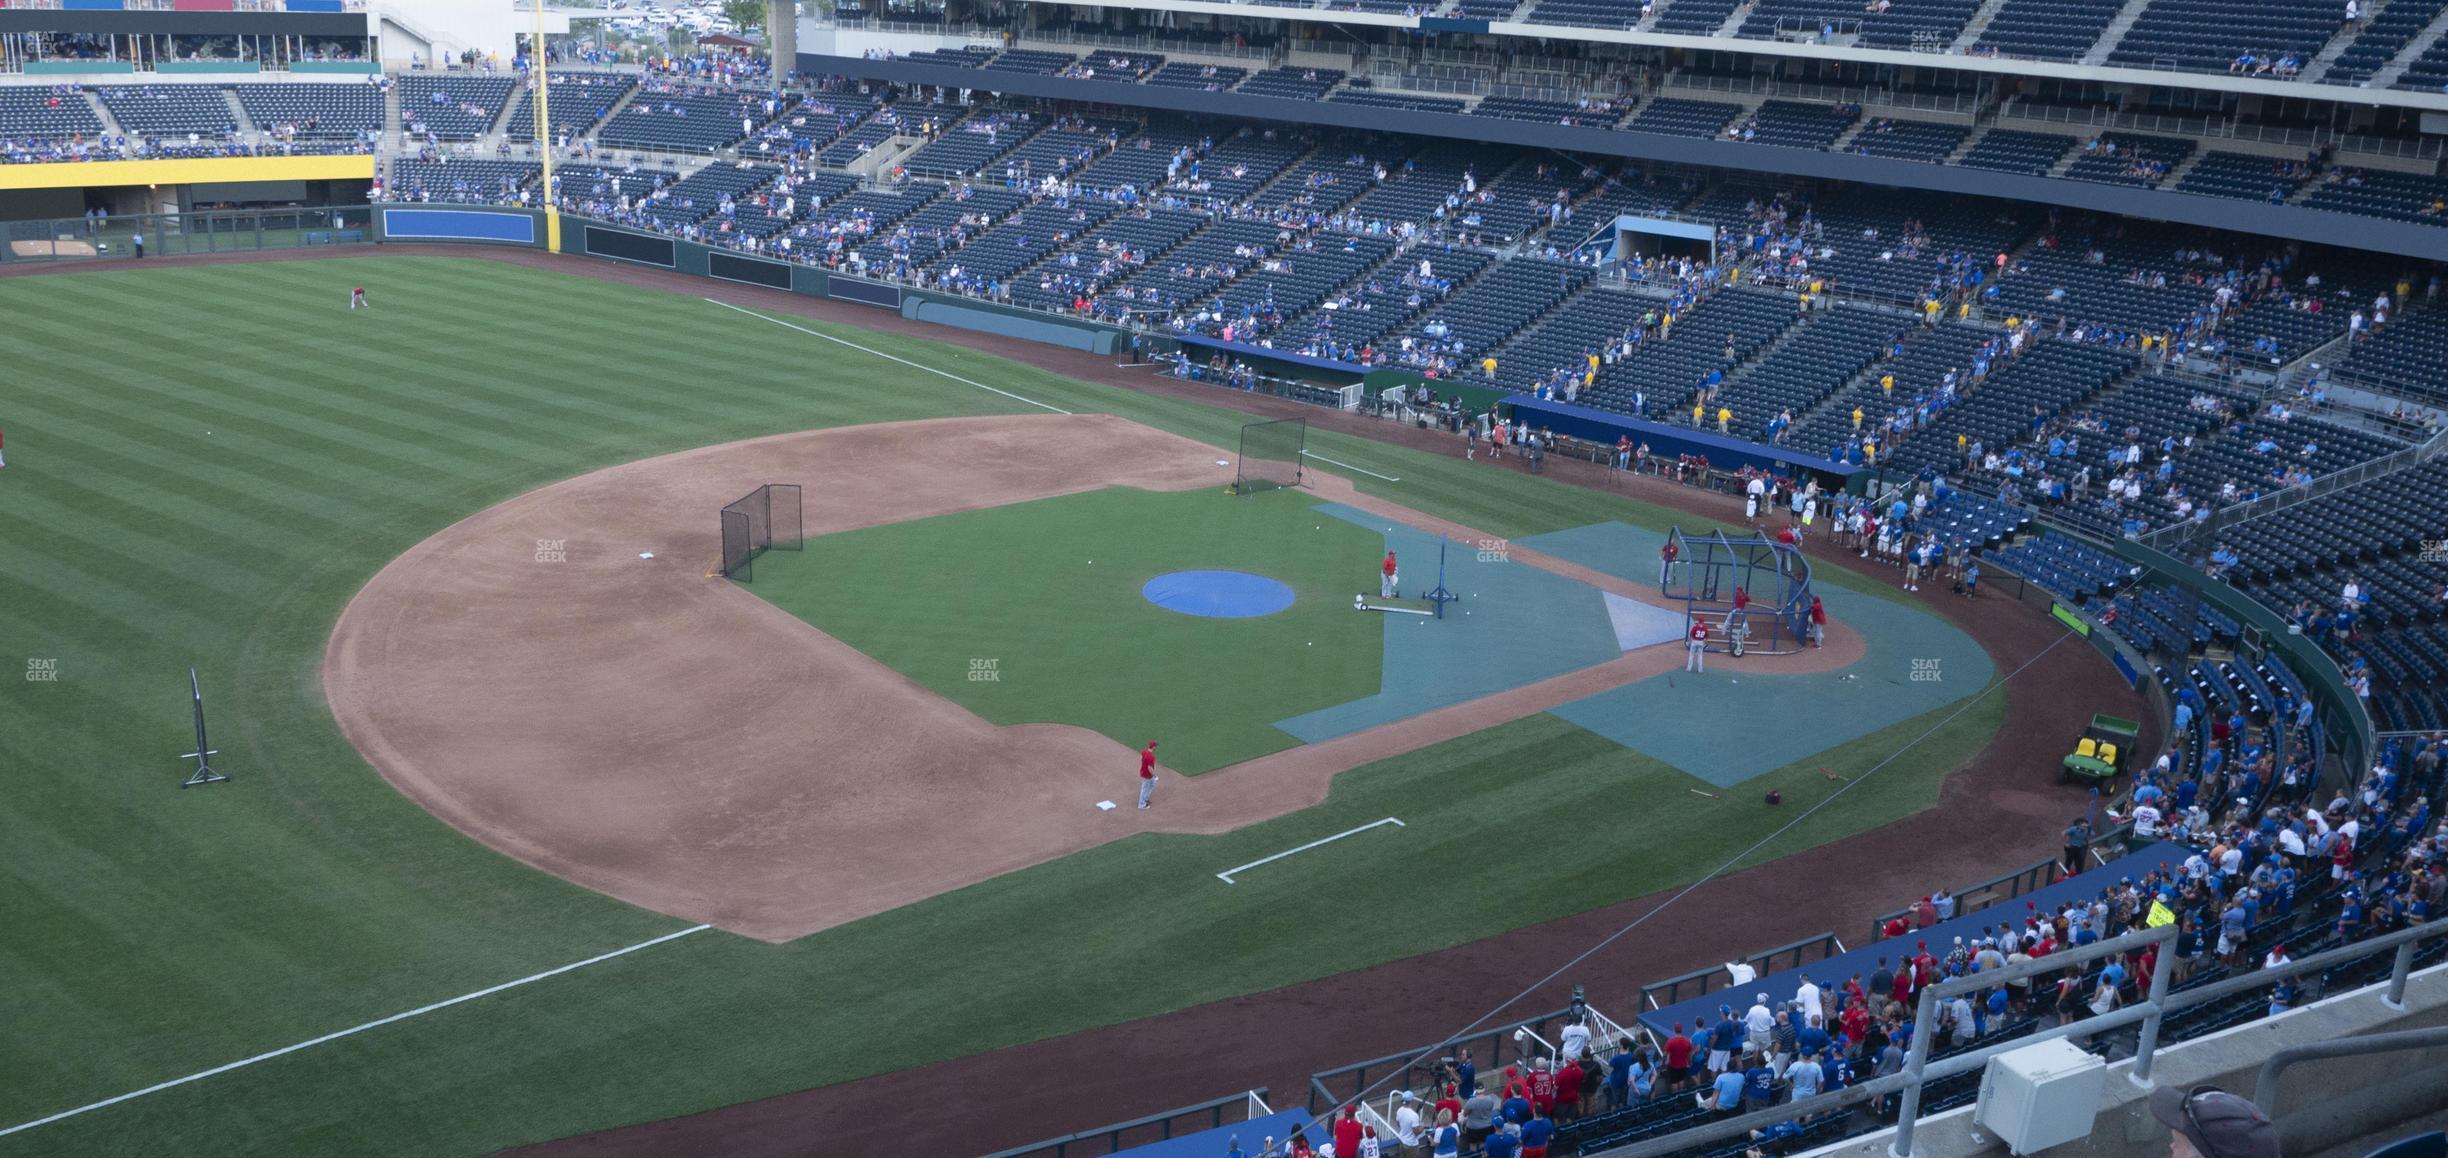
pixel 483 749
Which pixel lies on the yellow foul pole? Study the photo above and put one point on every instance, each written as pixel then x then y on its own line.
pixel 543 129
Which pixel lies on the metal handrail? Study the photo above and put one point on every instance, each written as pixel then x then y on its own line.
pixel 2328 484
pixel 1919 1071
pixel 2265 1086
pixel 1111 1135
pixel 2041 869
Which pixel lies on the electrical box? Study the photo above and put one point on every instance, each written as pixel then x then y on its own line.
pixel 2041 1095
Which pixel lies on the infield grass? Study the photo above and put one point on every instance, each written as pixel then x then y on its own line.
pixel 1032 613
pixel 205 463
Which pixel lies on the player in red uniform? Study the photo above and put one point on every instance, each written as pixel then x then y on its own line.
pixel 1147 773
pixel 1386 585
pixel 357 299
pixel 1699 646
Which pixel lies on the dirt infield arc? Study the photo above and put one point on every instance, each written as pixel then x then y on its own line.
pixel 533 678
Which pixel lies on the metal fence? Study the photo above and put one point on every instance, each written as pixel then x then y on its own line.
pixel 1141 1131
pixel 75 239
pixel 1487 1048
pixel 1920 1070
pixel 1984 894
pixel 1699 982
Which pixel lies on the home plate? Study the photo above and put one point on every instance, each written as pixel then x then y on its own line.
pixel 1106 806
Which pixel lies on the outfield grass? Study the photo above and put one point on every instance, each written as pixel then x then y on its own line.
pixel 207 462
pixel 1048 593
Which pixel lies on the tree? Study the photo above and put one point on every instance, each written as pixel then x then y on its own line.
pixel 747 15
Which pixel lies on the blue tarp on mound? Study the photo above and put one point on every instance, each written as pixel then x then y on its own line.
pixel 1780 986
pixel 1217 1142
pixel 1218 594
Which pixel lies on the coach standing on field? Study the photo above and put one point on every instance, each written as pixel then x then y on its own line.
pixel 1147 773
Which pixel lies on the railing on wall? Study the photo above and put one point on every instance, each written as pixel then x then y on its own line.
pixel 1326 1086
pixel 82 239
pixel 1983 895
pixel 1140 1131
pixel 1660 994
pixel 2149 1013
pixel 2172 536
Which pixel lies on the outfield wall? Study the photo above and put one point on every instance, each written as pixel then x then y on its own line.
pixel 525 228
pixel 188 171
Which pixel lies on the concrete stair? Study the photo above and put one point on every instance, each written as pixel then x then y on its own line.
pixel 2413 51
pixel 2318 66
pixel 2116 30
pixel 237 112
pixel 1974 27
pixel 394 131
pixel 110 124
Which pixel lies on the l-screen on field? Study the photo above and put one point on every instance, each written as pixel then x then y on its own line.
pixel 482 748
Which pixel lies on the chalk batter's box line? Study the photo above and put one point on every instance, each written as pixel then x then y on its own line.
pixel 1227 875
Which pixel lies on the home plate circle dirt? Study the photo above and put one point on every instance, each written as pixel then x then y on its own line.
pixel 559 678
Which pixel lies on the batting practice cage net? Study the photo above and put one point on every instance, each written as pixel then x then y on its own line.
pixel 1271 455
pixel 764 518
pixel 1707 571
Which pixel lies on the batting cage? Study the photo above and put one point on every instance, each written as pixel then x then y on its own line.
pixel 1271 454
pixel 1773 579
pixel 766 518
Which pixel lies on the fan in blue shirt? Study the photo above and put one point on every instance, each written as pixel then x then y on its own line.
pixel 1729 1090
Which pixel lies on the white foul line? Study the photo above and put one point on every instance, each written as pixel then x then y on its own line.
pixel 888 357
pixel 1348 466
pixel 354 1029
pixel 1227 875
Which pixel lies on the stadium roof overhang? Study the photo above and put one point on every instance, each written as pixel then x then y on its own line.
pixel 1951 61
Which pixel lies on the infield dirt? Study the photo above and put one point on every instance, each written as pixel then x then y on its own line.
pixel 668 738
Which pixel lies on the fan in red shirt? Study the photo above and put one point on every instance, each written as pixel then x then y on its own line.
pixel 1451 1103
pixel 1347 1132
pixel 1568 1090
pixel 1678 1056
pixel 1542 1088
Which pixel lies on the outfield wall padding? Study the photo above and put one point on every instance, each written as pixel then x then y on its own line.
pixel 962 315
pixel 521 227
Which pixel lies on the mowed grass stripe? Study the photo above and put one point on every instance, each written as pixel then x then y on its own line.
pixel 64 506
pixel 116 605
pixel 665 373
pixel 98 544
pixel 269 482
pixel 213 395
pixel 317 468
